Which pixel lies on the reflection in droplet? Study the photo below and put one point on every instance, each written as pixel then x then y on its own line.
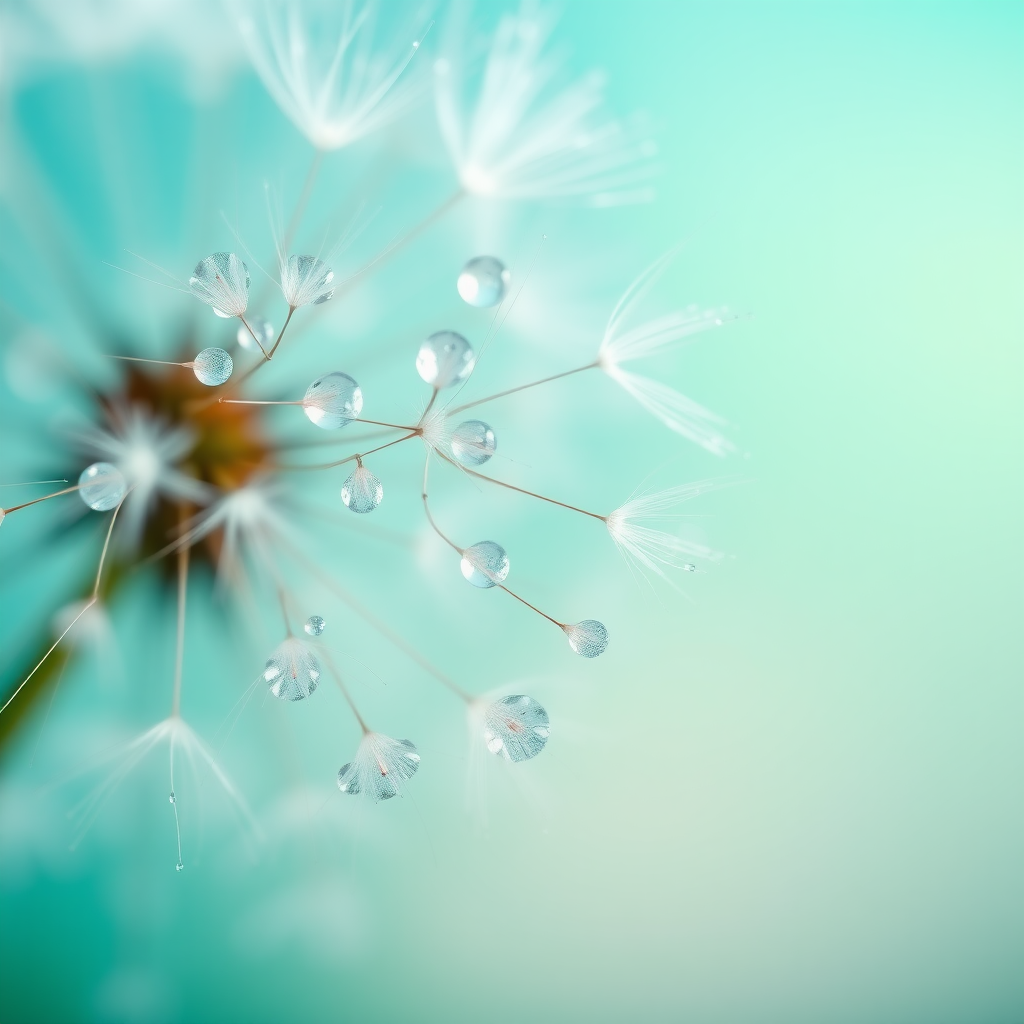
pixel 101 486
pixel 473 442
pixel 445 359
pixel 483 281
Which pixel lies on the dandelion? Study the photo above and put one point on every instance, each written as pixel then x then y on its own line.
pixel 222 282
pixel 516 727
pixel 306 280
pixel 380 767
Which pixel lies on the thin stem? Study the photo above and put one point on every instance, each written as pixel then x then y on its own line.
pixel 284 609
pixel 344 690
pixel 560 625
pixel 381 423
pixel 353 458
pixel 430 405
pixel 523 387
pixel 139 359
pixel 287 321
pixel 249 401
pixel 521 490
pixel 253 333
pixel 174 805
pixel 179 655
pixel 300 209
pixel 106 546
pixel 426 508
pixel 45 497
pixel 29 483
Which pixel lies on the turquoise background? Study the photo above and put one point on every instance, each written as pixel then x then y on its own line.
pixel 795 797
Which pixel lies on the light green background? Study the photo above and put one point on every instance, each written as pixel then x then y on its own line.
pixel 795 798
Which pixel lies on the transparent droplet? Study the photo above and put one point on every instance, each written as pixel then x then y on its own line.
pixel 381 764
pixel 315 625
pixel 483 281
pixel 101 486
pixel 689 567
pixel 179 866
pixel 516 727
pixel 212 366
pixel 172 798
pixel 221 281
pixel 588 638
pixel 473 442
pixel 263 329
pixel 362 491
pixel 292 671
pixel 444 359
pixel 306 280
pixel 485 564
pixel 333 400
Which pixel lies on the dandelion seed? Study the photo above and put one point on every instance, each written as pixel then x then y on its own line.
pixel 315 625
pixel 362 491
pixel 221 281
pixel 588 639
pixel 292 671
pixel 380 766
pixel 263 330
pixel 306 280
pixel 485 564
pixel 212 366
pixel 101 486
pixel 445 359
pixel 473 442
pixel 516 727
pixel 333 400
pixel 483 281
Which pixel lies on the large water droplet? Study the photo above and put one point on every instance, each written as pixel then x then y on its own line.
pixel 221 281
pixel 333 400
pixel 362 491
pixel 306 280
pixel 292 671
pixel 588 638
pixel 483 281
pixel 381 764
pixel 444 359
pixel 101 486
pixel 516 727
pixel 485 564
pixel 473 442
pixel 315 625
pixel 263 329
pixel 212 366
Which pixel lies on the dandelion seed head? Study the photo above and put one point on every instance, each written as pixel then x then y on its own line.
pixel 292 671
pixel 588 639
pixel 101 486
pixel 483 281
pixel 306 280
pixel 485 564
pixel 222 282
pixel 380 767
pixel 445 359
pixel 333 400
pixel 473 442
pixel 212 366
pixel 362 492
pixel 515 727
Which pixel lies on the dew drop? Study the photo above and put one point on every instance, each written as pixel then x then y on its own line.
pixel 588 638
pixel 101 486
pixel 689 567
pixel 263 329
pixel 172 798
pixel 315 625
pixel 221 281
pixel 333 400
pixel 179 866
pixel 212 366
pixel 485 564
pixel 292 671
pixel 306 280
pixel 362 491
pixel 473 442
pixel 445 359
pixel 483 281
pixel 516 727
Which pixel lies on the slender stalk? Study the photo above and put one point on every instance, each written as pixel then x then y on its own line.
pixel 353 458
pixel 300 208
pixel 284 609
pixel 139 359
pixel 253 333
pixel 430 405
pixel 522 387
pixel 179 654
pixel 344 690
pixel 29 483
pixel 252 401
pixel 560 625
pixel 426 508
pixel 45 497
pixel 287 321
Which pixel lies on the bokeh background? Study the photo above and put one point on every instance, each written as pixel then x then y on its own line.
pixel 792 793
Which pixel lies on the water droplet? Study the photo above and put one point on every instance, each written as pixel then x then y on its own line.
pixel 212 366
pixel 306 280
pixel 473 442
pixel 483 281
pixel 315 625
pixel 172 798
pixel 588 638
pixel 333 400
pixel 101 486
pixel 362 491
pixel 485 564
pixel 516 727
pixel 179 866
pixel 689 567
pixel 444 359
pixel 292 671
pixel 263 329
pixel 381 764
pixel 221 281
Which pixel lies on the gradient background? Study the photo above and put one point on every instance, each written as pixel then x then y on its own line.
pixel 796 797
